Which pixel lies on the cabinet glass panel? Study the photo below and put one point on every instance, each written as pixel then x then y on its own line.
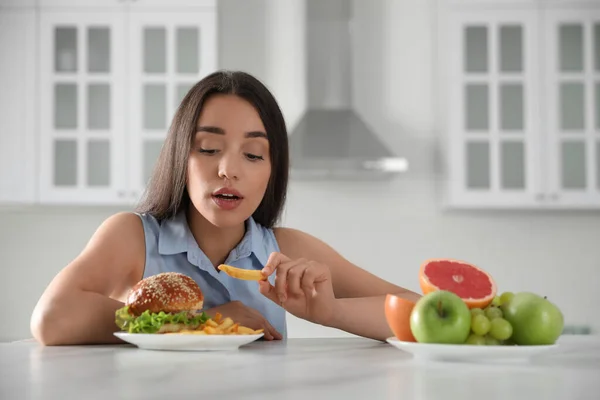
pixel 182 90
pixel 98 50
pixel 476 49
pixel 98 106
pixel 155 50
pixel 572 106
pixel 155 106
pixel 573 163
pixel 477 107
pixel 98 163
pixel 187 50
pixel 511 48
pixel 65 49
pixel 151 152
pixel 571 47
pixel 512 159
pixel 511 107
pixel 65 162
pixel 65 106
pixel 478 165
pixel 597 46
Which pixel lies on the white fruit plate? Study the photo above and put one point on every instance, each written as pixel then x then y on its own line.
pixel 187 342
pixel 464 352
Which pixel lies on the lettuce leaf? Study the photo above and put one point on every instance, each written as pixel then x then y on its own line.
pixel 151 322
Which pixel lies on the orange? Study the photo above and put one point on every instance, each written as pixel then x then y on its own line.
pixel 471 283
pixel 397 315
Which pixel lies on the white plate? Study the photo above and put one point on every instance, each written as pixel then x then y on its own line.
pixel 187 342
pixel 463 352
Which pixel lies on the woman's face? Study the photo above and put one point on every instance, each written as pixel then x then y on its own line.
pixel 229 165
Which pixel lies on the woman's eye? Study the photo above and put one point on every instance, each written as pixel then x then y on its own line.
pixel 207 151
pixel 254 157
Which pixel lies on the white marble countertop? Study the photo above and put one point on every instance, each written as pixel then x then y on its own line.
pixel 297 369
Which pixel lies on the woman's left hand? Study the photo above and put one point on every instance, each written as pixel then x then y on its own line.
pixel 302 287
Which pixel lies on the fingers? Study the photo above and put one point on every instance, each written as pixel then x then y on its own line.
pixel 273 262
pixel 312 275
pixel 273 333
pixel 267 334
pixel 270 333
pixel 294 279
pixel 297 277
pixel 268 290
pixel 281 282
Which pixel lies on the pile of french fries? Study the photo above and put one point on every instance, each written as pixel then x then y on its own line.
pixel 219 326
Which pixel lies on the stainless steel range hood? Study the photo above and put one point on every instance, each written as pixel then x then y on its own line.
pixel 331 140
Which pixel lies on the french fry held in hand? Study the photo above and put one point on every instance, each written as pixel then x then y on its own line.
pixel 244 274
pixel 219 326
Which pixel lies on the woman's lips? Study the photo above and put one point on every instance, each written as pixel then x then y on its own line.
pixel 227 198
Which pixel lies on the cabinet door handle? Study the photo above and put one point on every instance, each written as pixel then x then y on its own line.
pixel 540 196
pixel 554 196
pixel 121 193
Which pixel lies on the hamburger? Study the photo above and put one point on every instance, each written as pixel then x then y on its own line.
pixel 166 302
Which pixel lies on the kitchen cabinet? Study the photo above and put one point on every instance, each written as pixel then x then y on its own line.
pixel 82 104
pixel 572 90
pixel 492 120
pixel 110 82
pixel 520 90
pixel 17 126
pixel 170 53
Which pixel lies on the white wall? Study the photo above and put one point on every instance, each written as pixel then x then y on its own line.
pixel 266 38
pixel 388 228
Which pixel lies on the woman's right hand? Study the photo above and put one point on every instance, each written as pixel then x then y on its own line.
pixel 246 316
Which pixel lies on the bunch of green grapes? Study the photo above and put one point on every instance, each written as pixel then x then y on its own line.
pixel 488 327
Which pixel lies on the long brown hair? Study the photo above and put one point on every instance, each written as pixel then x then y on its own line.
pixel 166 193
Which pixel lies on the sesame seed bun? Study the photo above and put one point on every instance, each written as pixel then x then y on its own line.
pixel 170 292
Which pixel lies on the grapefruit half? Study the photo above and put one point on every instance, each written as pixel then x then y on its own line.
pixel 471 283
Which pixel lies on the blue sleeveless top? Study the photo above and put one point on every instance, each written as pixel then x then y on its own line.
pixel 171 247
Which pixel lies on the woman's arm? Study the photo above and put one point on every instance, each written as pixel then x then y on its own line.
pixel 348 279
pixel 78 307
pixel 359 295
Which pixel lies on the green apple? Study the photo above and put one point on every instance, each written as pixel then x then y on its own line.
pixel 440 317
pixel 535 320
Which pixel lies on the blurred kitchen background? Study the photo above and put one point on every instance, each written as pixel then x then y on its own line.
pixel 419 129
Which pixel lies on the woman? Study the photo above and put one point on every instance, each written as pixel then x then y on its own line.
pixel 217 191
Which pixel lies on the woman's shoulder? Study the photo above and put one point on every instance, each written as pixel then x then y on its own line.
pixel 286 234
pixel 295 243
pixel 123 226
pixel 120 235
pixel 123 221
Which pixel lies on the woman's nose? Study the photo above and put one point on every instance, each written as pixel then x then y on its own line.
pixel 229 168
